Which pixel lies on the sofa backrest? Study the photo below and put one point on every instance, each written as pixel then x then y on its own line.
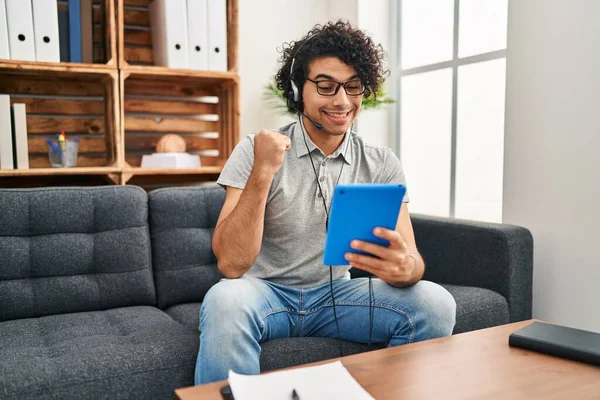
pixel 73 249
pixel 182 221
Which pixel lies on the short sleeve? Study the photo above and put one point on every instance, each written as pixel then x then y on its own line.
pixel 393 172
pixel 238 167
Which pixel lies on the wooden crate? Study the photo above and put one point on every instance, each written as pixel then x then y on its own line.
pixel 104 39
pixel 133 24
pixel 92 100
pixel 202 109
pixel 105 32
pixel 80 103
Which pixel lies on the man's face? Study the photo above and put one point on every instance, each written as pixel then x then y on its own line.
pixel 336 113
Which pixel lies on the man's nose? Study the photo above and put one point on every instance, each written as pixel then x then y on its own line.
pixel 341 98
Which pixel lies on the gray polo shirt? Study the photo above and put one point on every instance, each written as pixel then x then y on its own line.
pixel 294 233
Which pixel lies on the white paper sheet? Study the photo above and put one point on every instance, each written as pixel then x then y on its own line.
pixel 327 381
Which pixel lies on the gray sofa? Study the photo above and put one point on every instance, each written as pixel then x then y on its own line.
pixel 100 288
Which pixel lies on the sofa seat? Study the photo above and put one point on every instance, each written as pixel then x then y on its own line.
pixel 476 308
pixel 133 352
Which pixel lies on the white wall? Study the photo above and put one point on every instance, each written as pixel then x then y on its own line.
pixel 264 25
pixel 378 19
pixel 344 9
pixel 551 175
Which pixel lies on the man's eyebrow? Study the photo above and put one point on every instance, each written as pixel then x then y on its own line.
pixel 325 76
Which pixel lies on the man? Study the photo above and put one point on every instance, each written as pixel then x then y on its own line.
pixel 270 236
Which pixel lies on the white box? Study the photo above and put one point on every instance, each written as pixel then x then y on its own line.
pixel 171 160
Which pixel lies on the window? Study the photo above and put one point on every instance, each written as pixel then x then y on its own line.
pixel 451 90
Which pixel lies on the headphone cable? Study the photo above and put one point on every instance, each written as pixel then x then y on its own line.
pixel 371 293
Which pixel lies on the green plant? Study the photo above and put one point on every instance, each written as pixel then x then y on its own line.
pixel 274 98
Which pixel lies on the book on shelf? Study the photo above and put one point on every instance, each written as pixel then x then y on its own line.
pixel 39 30
pixel 75 31
pixel 19 131
pixel 4 48
pixel 189 34
pixel 197 23
pixel 6 146
pixel 217 35
pixel 63 35
pixel 169 33
pixel 45 28
pixel 19 20
pixel 14 149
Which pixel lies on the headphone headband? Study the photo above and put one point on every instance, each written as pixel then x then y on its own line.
pixel 295 90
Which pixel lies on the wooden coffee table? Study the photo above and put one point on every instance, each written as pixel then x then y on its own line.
pixel 472 365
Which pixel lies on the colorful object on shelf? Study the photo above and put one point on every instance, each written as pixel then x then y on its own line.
pixel 171 143
pixel 63 152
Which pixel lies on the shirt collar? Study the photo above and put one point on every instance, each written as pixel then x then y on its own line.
pixel 300 145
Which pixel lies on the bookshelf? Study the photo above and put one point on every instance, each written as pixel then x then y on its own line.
pixel 122 104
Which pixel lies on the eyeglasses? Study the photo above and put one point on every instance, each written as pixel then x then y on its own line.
pixel 331 88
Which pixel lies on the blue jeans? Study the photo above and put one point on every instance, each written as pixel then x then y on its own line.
pixel 239 314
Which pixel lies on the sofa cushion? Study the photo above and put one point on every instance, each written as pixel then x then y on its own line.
pixel 494 256
pixel 182 221
pixel 134 352
pixel 73 249
pixel 187 314
pixel 477 308
pixel 282 353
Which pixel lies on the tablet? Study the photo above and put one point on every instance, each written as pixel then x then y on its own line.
pixel 356 210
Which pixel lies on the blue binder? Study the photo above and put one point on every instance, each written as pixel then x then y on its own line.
pixel 75 30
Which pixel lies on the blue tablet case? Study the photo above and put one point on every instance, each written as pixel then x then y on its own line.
pixel 355 211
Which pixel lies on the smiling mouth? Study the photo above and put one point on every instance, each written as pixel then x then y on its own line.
pixel 338 114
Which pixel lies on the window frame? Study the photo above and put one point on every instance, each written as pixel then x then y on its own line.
pixel 454 64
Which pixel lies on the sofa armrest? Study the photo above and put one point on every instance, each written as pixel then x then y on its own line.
pixel 498 257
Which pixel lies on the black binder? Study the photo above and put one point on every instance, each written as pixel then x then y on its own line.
pixel 560 341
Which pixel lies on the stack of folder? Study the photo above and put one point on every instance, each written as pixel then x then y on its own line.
pixel 14 153
pixel 189 34
pixel 36 30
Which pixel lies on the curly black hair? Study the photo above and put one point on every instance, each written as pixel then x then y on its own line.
pixel 334 39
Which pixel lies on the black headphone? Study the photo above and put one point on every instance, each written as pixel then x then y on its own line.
pixel 296 96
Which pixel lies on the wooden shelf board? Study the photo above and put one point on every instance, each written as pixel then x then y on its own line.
pixel 173 171
pixel 38 66
pixel 179 73
pixel 59 171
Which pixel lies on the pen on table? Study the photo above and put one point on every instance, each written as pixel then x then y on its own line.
pixel 295 395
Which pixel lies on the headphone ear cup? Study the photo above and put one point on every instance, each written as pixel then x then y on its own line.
pixel 295 92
